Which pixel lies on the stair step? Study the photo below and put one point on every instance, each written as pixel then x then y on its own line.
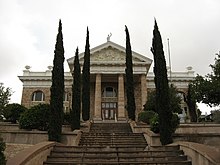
pixel 113 143
pixel 120 163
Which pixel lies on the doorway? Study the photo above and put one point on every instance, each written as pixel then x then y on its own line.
pixel 109 110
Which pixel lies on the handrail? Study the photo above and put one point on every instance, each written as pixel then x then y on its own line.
pixel 39 151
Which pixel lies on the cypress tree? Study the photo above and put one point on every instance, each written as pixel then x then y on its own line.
pixel 162 88
pixel 76 94
pixel 57 90
pixel 86 81
pixel 129 79
pixel 191 102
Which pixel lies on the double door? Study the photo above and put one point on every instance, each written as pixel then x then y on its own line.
pixel 109 110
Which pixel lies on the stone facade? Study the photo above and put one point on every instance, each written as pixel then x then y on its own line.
pixel 107 83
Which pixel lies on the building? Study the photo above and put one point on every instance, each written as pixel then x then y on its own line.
pixel 107 83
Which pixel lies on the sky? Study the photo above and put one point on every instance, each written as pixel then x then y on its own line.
pixel 28 30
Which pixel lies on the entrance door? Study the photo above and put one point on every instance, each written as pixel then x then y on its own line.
pixel 109 110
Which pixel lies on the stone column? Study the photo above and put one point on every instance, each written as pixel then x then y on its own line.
pixel 143 89
pixel 121 96
pixel 98 98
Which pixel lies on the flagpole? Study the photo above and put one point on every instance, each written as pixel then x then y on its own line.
pixel 169 60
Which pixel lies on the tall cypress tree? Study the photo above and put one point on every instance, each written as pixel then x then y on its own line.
pixel 129 78
pixel 191 102
pixel 76 94
pixel 86 81
pixel 57 90
pixel 162 88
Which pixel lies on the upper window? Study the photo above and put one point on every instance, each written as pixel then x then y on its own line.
pixel 109 92
pixel 38 96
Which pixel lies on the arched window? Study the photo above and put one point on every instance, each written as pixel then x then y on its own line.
pixel 38 96
pixel 109 92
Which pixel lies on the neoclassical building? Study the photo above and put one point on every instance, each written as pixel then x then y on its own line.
pixel 107 83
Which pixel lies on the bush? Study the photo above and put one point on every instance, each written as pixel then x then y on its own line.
pixel 175 121
pixel 146 116
pixel 13 111
pixel 37 117
pixel 216 116
pixel 2 148
pixel 66 118
pixel 154 123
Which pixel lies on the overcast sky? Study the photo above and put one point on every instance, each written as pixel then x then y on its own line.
pixel 28 30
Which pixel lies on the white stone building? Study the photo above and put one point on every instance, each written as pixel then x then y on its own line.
pixel 107 85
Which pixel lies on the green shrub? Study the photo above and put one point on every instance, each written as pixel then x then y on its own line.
pixel 13 111
pixel 175 121
pixel 66 118
pixel 154 123
pixel 36 117
pixel 216 116
pixel 146 116
pixel 2 148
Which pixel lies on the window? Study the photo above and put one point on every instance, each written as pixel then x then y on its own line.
pixel 109 92
pixel 38 96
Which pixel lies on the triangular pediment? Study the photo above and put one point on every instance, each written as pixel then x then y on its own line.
pixel 111 52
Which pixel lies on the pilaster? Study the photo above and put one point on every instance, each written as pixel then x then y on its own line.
pixel 98 98
pixel 121 96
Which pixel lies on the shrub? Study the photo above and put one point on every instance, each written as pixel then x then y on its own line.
pixel 66 118
pixel 216 116
pixel 36 117
pixel 2 148
pixel 154 123
pixel 146 116
pixel 175 121
pixel 13 111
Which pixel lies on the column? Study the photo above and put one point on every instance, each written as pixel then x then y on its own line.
pixel 121 96
pixel 98 98
pixel 143 89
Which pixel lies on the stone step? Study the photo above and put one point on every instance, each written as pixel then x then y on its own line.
pixel 113 143
pixel 118 163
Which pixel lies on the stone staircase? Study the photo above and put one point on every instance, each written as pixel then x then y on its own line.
pixel 114 143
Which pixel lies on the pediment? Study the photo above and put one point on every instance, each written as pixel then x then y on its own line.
pixel 111 53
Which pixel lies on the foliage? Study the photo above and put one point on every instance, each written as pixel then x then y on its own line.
pixel 76 96
pixel 13 111
pixel 35 118
pixel 154 123
pixel 5 94
pixel 2 148
pixel 207 89
pixel 162 89
pixel 66 118
pixel 86 81
pixel 216 116
pixel 175 101
pixel 146 116
pixel 129 79
pixel 151 102
pixel 57 90
pixel 191 102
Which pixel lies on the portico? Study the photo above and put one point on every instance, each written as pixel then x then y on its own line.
pixel 108 92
